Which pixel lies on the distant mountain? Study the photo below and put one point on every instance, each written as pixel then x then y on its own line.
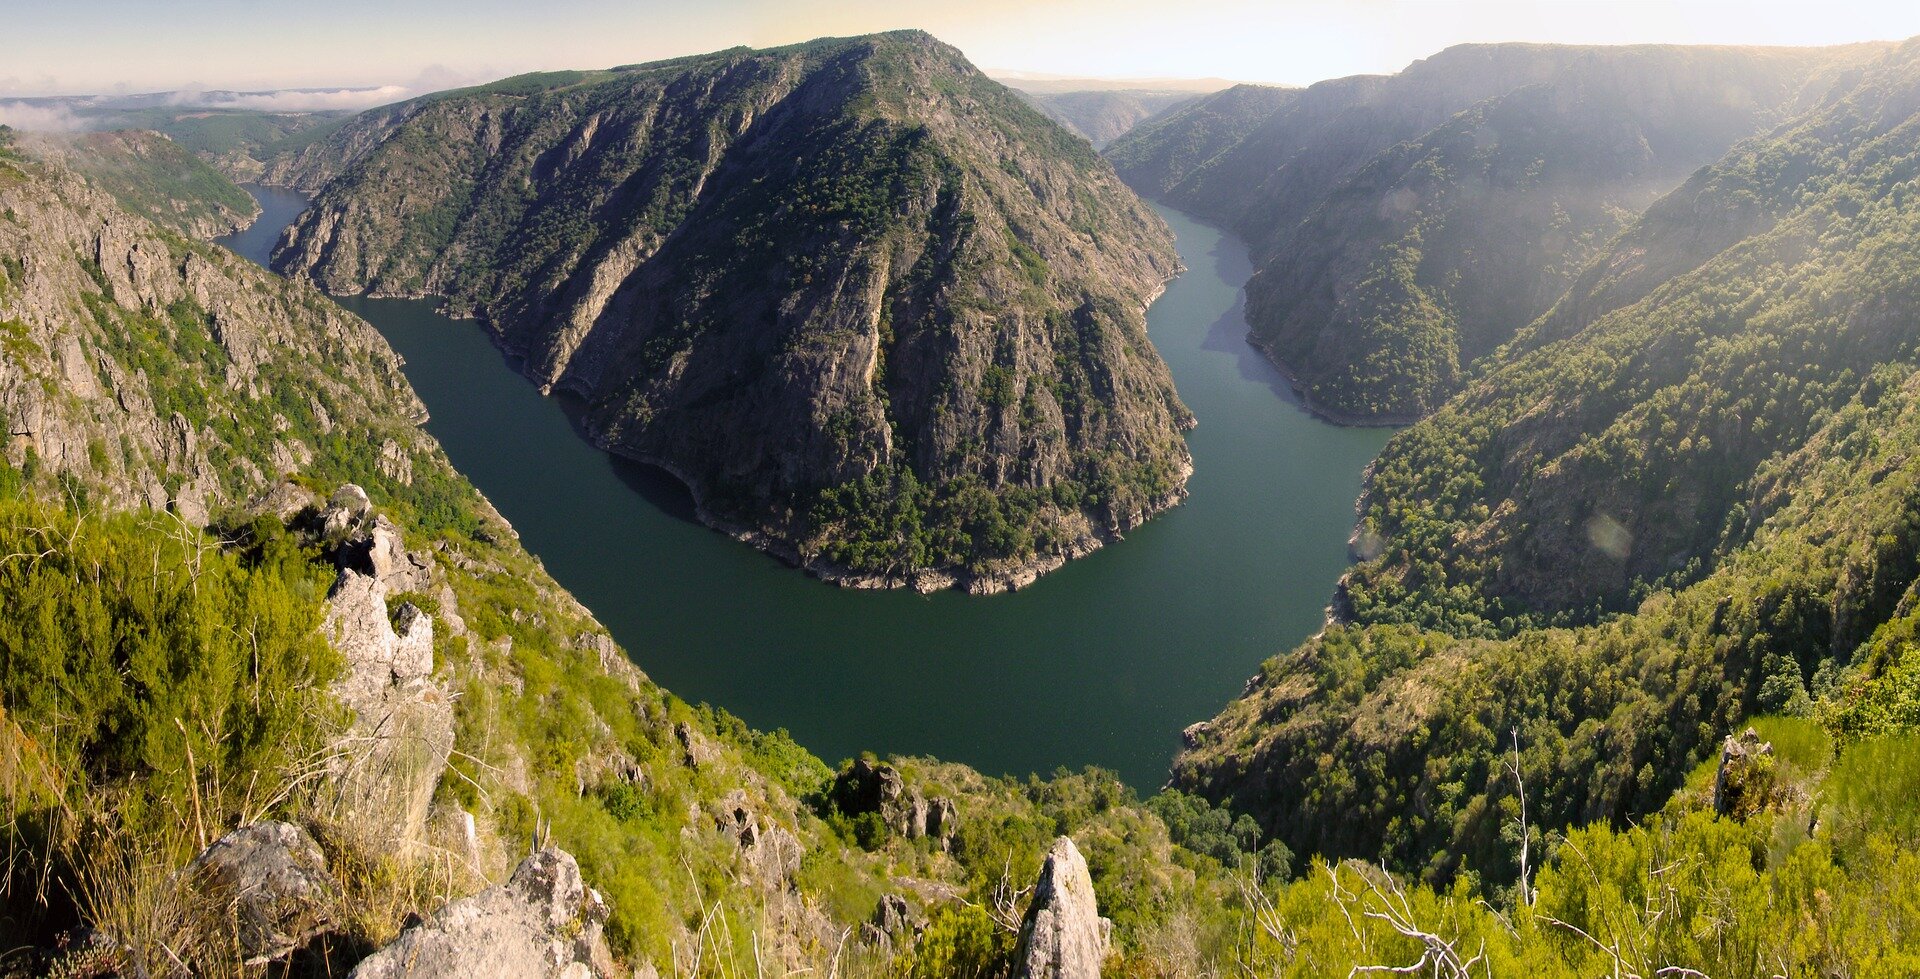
pixel 1159 155
pixel 1042 83
pixel 1103 109
pixel 882 316
pixel 1103 115
pixel 1408 224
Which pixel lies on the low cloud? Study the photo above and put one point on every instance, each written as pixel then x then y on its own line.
pixel 40 118
pixel 299 100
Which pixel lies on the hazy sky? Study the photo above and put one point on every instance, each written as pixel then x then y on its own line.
pixel 87 46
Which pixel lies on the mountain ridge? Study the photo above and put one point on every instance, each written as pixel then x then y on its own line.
pixel 939 333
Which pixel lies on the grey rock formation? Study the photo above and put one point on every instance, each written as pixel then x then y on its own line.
pixel 1064 936
pixel 272 878
pixel 402 732
pixel 770 853
pixel 867 787
pixel 543 922
pixel 108 320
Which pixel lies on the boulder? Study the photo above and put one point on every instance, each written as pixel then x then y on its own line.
pixel 770 853
pixel 893 915
pixel 1064 936
pixel 272 879
pixel 543 922
pixel 344 510
pixel 697 751
pixel 377 552
pixel 283 502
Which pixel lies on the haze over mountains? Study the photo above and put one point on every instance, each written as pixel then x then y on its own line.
pixel 1102 110
pixel 1406 225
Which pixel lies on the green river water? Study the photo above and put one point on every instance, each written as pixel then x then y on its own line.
pixel 1100 663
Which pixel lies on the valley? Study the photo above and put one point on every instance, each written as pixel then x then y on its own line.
pixel 814 509
pixel 1147 636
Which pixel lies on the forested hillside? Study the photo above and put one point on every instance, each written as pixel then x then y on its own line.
pixel 1618 544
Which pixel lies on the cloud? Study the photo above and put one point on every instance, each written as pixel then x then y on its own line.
pixel 40 118
pixel 304 100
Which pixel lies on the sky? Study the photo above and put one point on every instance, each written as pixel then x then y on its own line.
pixel 408 46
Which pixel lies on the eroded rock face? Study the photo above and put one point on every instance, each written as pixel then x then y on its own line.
pixel 1064 936
pixel 104 314
pixel 272 878
pixel 770 853
pixel 867 787
pixel 402 732
pixel 543 922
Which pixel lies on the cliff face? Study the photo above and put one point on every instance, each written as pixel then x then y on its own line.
pixel 879 314
pixel 161 372
pixel 1409 225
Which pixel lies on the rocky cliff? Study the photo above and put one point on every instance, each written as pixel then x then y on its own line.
pixel 153 176
pixel 881 316
pixel 155 371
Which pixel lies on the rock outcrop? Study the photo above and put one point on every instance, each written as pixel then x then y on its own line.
pixel 868 787
pixel 272 879
pixel 542 923
pixel 1064 936
pixel 397 746
pixel 881 316
pixel 1743 783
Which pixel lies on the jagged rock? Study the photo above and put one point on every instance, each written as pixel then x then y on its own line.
pixel 344 509
pixel 272 878
pixel 943 819
pixel 394 463
pixel 543 922
pixel 1743 784
pixel 1195 734
pixel 1064 936
pixel 867 787
pixel 893 915
pixel 283 502
pixel 402 732
pixel 770 852
pixel 698 751
pixel 378 551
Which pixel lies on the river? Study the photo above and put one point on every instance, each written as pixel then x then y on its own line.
pixel 1100 663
